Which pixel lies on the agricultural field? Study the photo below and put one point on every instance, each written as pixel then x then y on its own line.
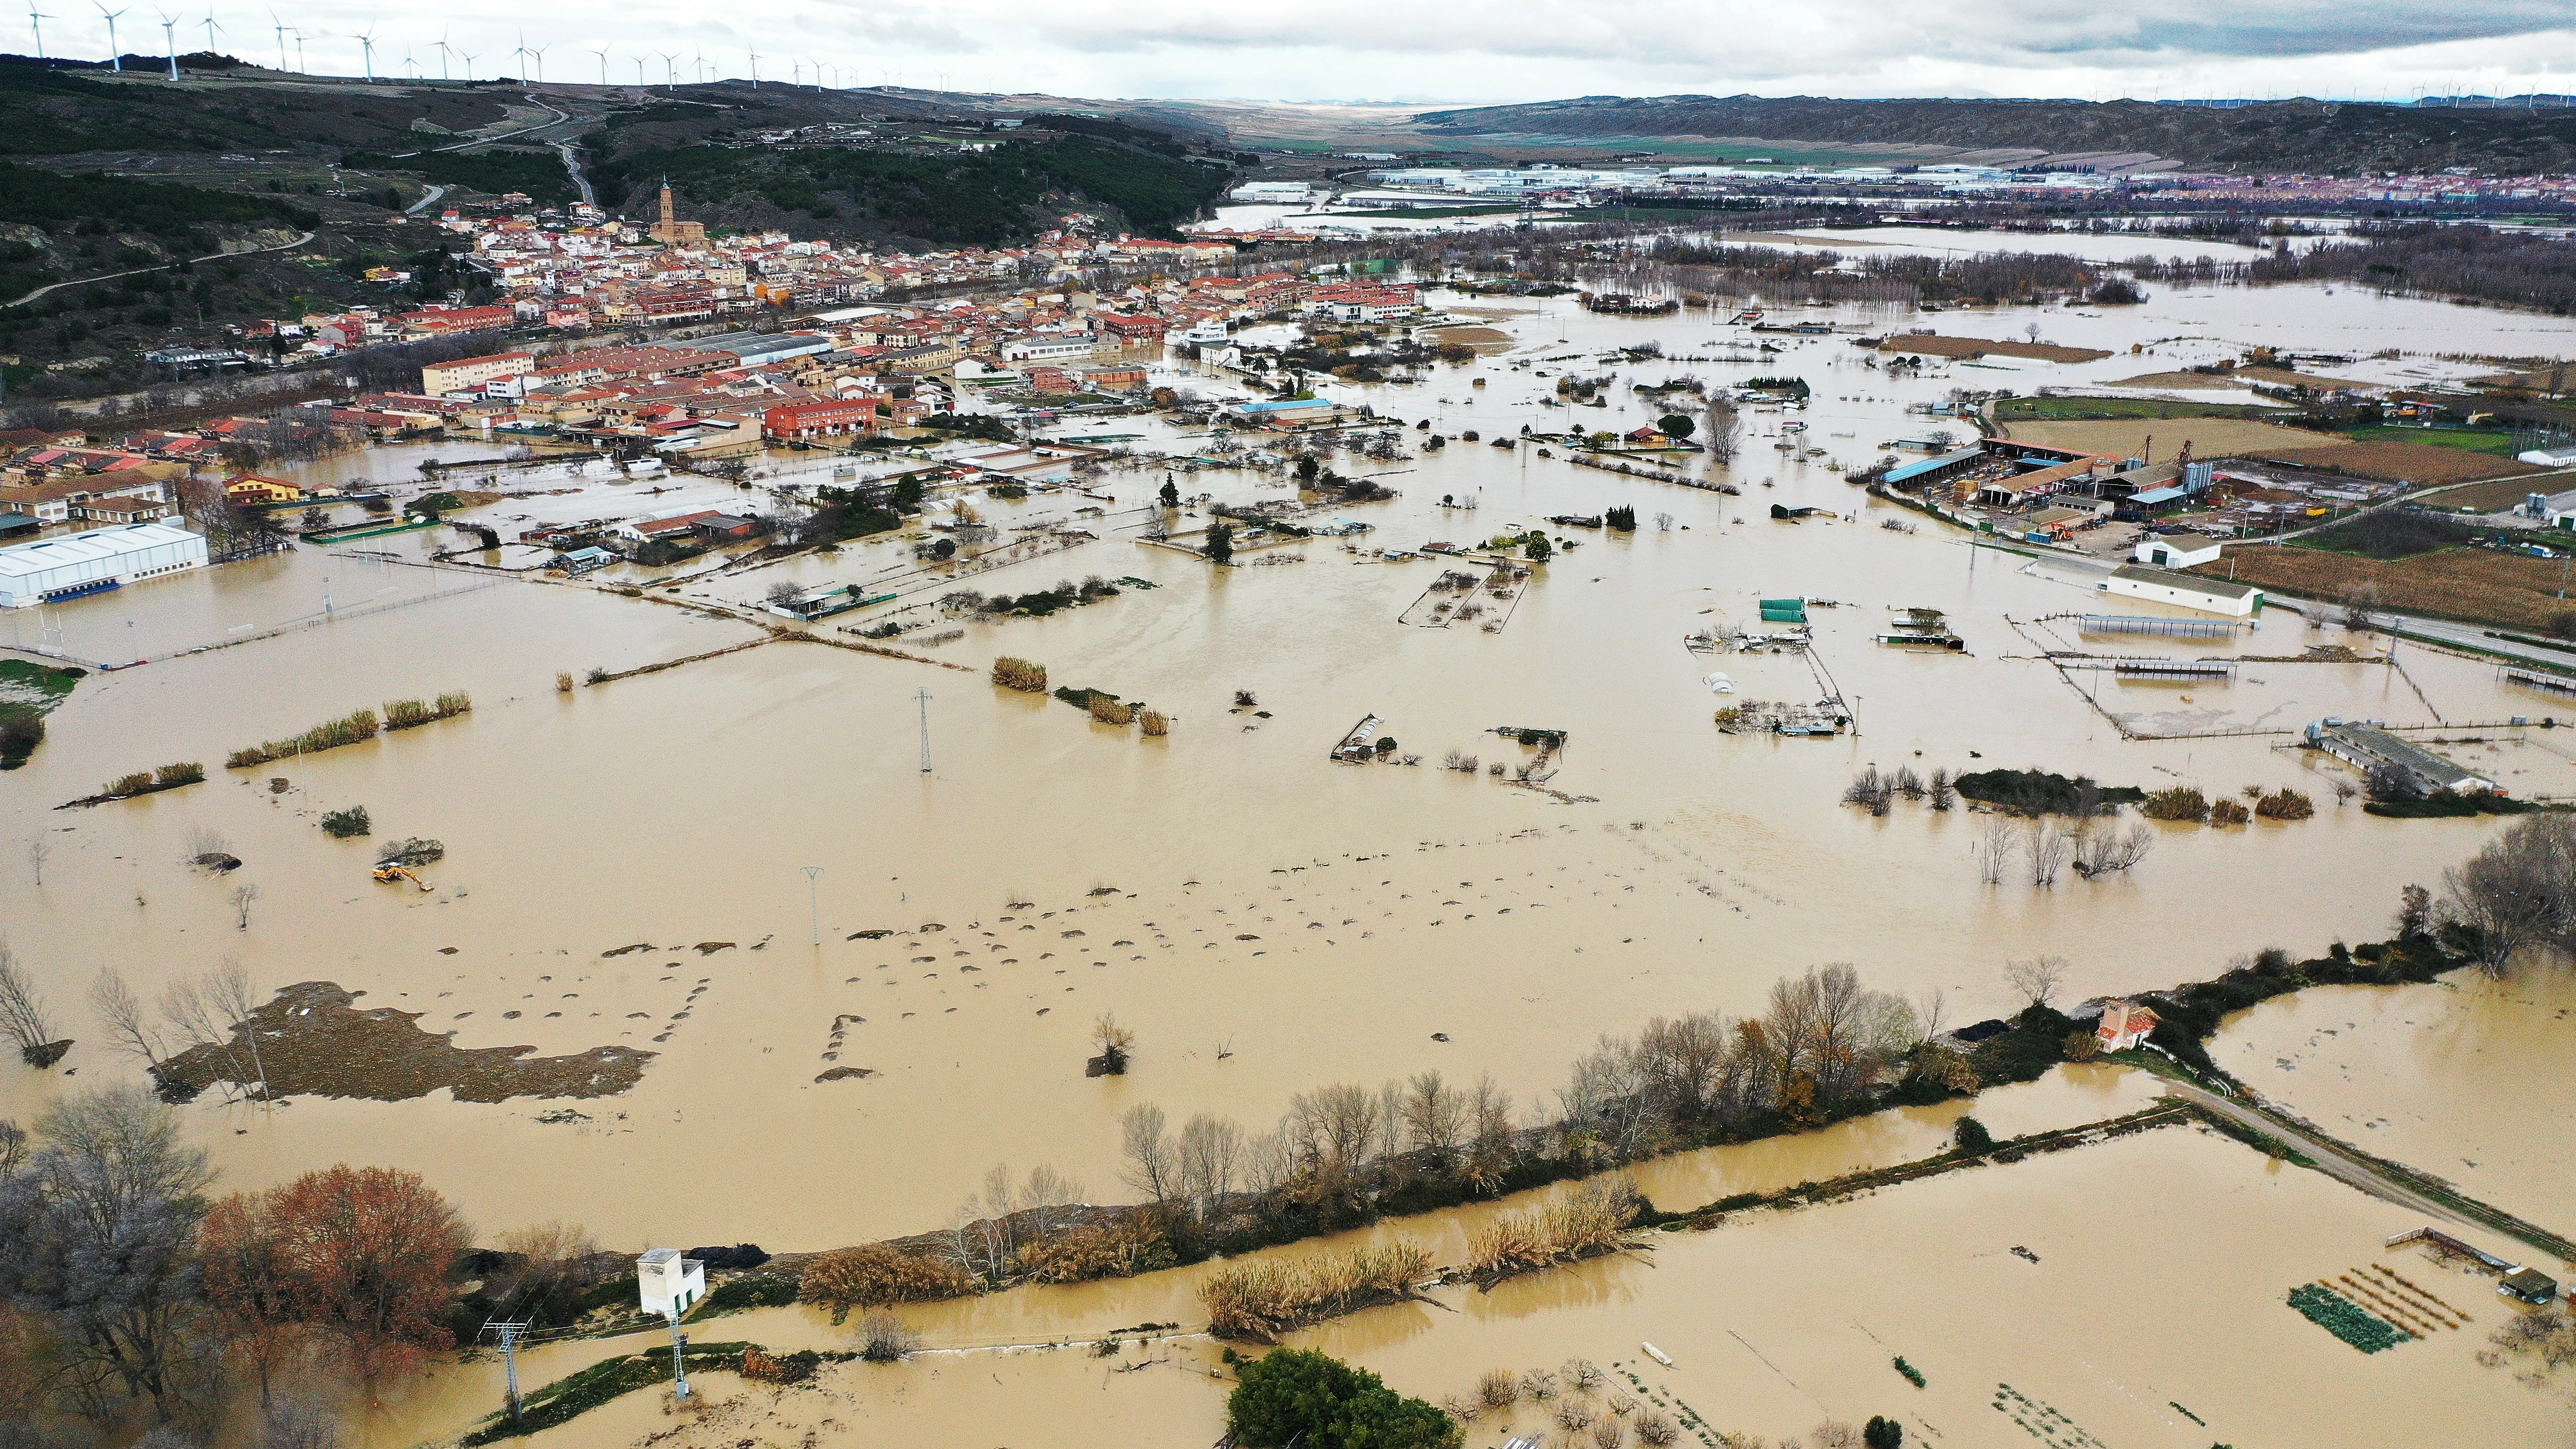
pixel 1929 344
pixel 2209 437
pixel 2483 586
pixel 2094 409
pixel 2400 462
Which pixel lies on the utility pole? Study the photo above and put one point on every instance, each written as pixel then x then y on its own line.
pixel 509 1333
pixel 814 899
pixel 924 697
pixel 679 1362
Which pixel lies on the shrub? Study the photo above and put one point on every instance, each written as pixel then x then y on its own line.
pixel 1120 1248
pixel 402 714
pixel 329 735
pixel 2037 792
pixel 1655 1427
pixel 1581 1222
pixel 563 681
pixel 342 824
pixel 19 736
pixel 2082 1046
pixel 1295 1396
pixel 1912 1374
pixel 2224 811
pixel 2285 804
pixel 1110 711
pixel 2181 802
pixel 1882 1433
pixel 872 1274
pixel 1153 722
pixel 1972 1136
pixel 884 1339
pixel 411 851
pixel 752 1290
pixel 184 774
pixel 134 784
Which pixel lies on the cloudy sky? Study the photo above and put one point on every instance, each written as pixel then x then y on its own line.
pixel 1462 51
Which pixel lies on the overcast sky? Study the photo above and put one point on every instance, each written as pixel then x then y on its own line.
pixel 1462 51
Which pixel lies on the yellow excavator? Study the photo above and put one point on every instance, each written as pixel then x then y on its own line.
pixel 389 872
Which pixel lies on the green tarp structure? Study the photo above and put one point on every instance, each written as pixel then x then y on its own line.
pixel 1784 611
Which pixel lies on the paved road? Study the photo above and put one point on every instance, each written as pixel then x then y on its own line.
pixel 2329 1160
pixel 428 199
pixel 165 266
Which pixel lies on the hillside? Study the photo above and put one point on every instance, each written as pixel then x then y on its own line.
pixel 2296 135
pixel 53 111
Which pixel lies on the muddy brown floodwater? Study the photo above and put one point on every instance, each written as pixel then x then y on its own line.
pixel 1266 920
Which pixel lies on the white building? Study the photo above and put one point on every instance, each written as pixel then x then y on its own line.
pixel 2178 553
pixel 669 1283
pixel 1046 347
pixel 93 562
pixel 2188 591
pixel 1283 193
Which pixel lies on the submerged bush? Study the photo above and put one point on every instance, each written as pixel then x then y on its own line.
pixel 1261 1298
pixel 1015 673
pixel 2285 804
pixel 2182 802
pixel 872 1274
pixel 343 824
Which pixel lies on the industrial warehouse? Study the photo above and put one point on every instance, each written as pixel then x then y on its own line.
pixel 87 563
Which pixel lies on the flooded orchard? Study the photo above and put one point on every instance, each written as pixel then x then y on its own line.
pixel 862 982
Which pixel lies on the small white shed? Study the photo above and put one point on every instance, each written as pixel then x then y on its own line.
pixel 668 1283
pixel 2179 551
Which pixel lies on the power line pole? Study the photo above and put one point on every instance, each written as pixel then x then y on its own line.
pixel 679 1361
pixel 924 697
pixel 509 1336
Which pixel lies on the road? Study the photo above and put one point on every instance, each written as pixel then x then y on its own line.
pixel 165 266
pixel 2331 1162
pixel 427 200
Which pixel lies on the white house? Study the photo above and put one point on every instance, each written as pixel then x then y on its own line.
pixel 669 1283
pixel 2178 552
pixel 2189 591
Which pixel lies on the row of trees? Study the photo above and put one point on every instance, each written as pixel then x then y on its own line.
pixel 125 1287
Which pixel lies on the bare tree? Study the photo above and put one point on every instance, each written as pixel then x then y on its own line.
pixel 1115 1043
pixel 2100 852
pixel 1928 1017
pixel 1993 849
pixel 1435 1119
pixel 2036 979
pixel 1211 1152
pixel 1152 1166
pixel 13 1148
pixel 242 896
pixel 22 1011
pixel 128 1026
pixel 1944 793
pixel 2048 849
pixel 2519 891
pixel 1050 1198
pixel 298 1423
pixel 39 850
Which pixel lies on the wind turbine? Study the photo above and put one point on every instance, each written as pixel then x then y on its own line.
pixel 443 49
pixel 539 52
pixel 367 49
pixel 115 56
pixel 755 70
pixel 795 71
pixel 281 39
pixel 670 72
pixel 36 22
pixel 211 26
pixel 170 43
pixel 520 51
pixel 469 66
pixel 698 67
pixel 639 72
pixel 410 64
pixel 299 53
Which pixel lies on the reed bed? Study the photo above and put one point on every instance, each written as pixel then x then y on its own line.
pixel 352 728
pixel 1153 722
pixel 1021 674
pixel 144 782
pixel 1581 1222
pixel 403 714
pixel 1261 1298
pixel 1110 711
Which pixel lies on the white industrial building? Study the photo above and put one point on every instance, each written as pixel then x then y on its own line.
pixel 93 562
pixel 1284 193
pixel 2166 551
pixel 2189 591
pixel 669 1283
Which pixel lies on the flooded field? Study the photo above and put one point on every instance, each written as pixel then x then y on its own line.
pixel 625 868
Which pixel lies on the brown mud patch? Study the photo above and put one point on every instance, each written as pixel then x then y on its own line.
pixel 1931 344
pixel 314 1042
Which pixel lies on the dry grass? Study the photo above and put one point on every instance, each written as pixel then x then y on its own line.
pixel 1110 711
pixel 2479 585
pixel 2492 497
pixel 1581 1222
pixel 1929 345
pixel 2209 438
pixel 1013 673
pixel 1261 1298
pixel 864 1276
pixel 1153 722
pixel 2420 464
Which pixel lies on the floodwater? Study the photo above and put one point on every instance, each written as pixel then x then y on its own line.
pixel 2148 1312
pixel 1265 920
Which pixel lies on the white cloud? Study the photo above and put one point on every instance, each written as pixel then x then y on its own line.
pixel 1484 50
